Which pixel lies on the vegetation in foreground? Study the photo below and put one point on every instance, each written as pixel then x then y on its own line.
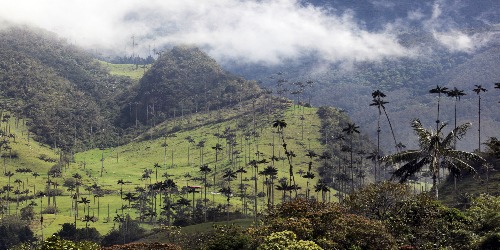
pixel 379 216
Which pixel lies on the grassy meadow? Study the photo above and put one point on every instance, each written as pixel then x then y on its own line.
pixel 129 162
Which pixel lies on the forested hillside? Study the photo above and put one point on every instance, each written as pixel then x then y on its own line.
pixel 67 96
pixel 182 81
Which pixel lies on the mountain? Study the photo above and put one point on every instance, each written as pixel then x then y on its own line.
pixel 66 94
pixel 181 81
pixel 73 102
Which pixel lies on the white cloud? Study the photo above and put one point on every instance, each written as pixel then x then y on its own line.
pixel 447 32
pixel 267 31
pixel 455 40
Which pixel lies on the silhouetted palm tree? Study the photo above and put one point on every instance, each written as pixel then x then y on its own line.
pixel 438 90
pixel 205 170
pixel 379 102
pixel 497 86
pixel 255 164
pixel 435 151
pixel 283 186
pixel 322 187
pixel 190 141
pixel 351 129
pixel 168 185
pixel 457 94
pixel 269 173
pixel 217 148
pixel 121 182
pixel 478 91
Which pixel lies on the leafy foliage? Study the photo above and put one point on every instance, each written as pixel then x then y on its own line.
pixel 327 224
pixel 14 231
pixel 286 240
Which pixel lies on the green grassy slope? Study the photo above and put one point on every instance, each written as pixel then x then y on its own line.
pixel 129 161
pixel 128 70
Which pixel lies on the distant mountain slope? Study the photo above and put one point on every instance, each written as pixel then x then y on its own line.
pixel 68 96
pixel 184 80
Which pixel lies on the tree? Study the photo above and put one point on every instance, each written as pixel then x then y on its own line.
pixel 255 164
pixel 309 175
pixel 190 141
pixel 226 191
pixel 478 91
pixel 497 86
pixel 351 129
pixel 322 187
pixel 438 90
pixel 379 102
pixel 217 148
pixel 287 240
pixel 9 175
pixel 169 186
pixel 435 151
pixel 156 166
pixel 270 173
pixel 283 186
pixel 205 170
pixel 121 183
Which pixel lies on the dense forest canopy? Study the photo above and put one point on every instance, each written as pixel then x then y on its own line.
pixel 181 81
pixel 68 97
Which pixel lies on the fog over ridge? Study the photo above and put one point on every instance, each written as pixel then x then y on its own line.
pixel 266 32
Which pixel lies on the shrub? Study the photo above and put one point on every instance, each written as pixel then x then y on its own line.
pixel 228 237
pixel 490 242
pixel 327 224
pixel 27 213
pixel 13 231
pixel 286 240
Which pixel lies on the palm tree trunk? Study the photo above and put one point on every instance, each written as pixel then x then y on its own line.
pixel 392 130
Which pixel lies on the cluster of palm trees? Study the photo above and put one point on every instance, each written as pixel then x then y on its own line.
pixel 439 150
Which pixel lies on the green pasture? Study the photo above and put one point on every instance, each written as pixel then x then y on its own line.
pixel 128 163
pixel 130 70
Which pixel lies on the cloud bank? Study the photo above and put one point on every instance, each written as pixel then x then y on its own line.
pixel 266 31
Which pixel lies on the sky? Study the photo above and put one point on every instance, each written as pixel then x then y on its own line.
pixel 264 32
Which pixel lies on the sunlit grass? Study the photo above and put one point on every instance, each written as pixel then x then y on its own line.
pixel 130 70
pixel 129 161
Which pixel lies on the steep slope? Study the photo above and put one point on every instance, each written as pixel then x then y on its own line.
pixel 67 95
pixel 184 80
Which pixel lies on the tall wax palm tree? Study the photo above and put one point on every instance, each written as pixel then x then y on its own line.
pixel 255 164
pixel 309 175
pixel 322 187
pixel 9 175
pixel 205 170
pixel 168 186
pixel 156 166
pixel 457 94
pixel 283 186
pixel 497 86
pixel 217 148
pixel 379 102
pixel 229 175
pixel 351 129
pixel 270 173
pixel 435 151
pixel 478 91
pixel 121 182
pixel 226 191
pixel 438 90
pixel 190 141
pixel 280 125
